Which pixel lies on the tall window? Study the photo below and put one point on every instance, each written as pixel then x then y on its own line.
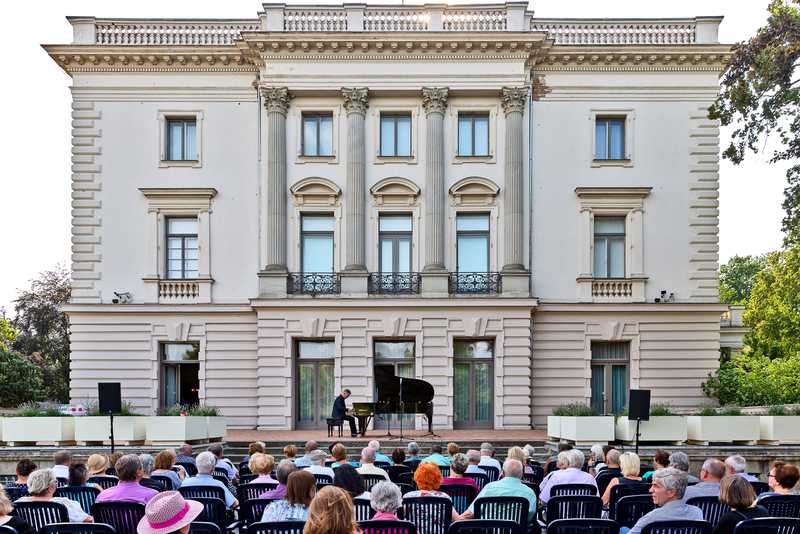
pixel 395 134
pixel 182 248
pixel 317 243
pixel 314 382
pixel 609 138
pixel 472 383
pixel 395 243
pixel 473 134
pixel 180 365
pixel 317 134
pixel 609 247
pixel 472 243
pixel 610 376
pixel 181 139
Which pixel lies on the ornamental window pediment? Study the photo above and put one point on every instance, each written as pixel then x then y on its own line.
pixel 474 191
pixel 395 191
pixel 316 191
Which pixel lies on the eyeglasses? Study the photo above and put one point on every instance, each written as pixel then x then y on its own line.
pixel 770 476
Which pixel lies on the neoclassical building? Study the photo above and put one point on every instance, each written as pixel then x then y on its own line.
pixel 521 212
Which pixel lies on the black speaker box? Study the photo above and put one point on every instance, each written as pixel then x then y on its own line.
pixel 109 397
pixel 639 404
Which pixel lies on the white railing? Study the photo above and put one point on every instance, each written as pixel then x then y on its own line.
pixel 315 20
pixel 171 32
pixel 474 20
pixel 396 20
pixel 621 32
pixel 612 289
pixel 178 290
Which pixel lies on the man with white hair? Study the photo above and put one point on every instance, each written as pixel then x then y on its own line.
pixel 368 464
pixel 305 460
pixel 737 465
pixel 710 476
pixel 206 461
pixel 668 488
pixel 487 456
pixel 474 458
pixel 680 461
pixel 571 474
pixel 317 466
pixel 509 486
pixel 412 451
pixel 379 456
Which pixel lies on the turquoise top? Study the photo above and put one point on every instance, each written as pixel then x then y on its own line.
pixel 437 458
pixel 509 487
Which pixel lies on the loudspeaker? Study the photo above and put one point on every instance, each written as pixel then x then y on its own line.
pixel 109 397
pixel 639 404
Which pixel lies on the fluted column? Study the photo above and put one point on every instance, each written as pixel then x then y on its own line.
pixel 434 100
pixel 276 102
pixel 355 105
pixel 513 101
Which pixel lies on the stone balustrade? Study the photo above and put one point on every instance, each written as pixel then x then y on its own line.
pixel 618 32
pixel 179 32
pixel 178 291
pixel 611 289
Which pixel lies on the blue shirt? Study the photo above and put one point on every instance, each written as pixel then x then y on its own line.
pixel 509 487
pixel 672 511
pixel 380 457
pixel 208 480
pixel 437 458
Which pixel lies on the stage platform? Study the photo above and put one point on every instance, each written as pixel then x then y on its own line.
pixel 420 436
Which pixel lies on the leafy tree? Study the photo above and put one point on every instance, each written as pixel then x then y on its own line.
pixel 760 94
pixel 20 380
pixel 756 380
pixel 7 333
pixel 44 329
pixel 736 278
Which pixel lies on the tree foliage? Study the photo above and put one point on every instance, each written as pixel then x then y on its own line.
pixel 20 380
pixel 761 96
pixel 736 278
pixel 7 333
pixel 752 379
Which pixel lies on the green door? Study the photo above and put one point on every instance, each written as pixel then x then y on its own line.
pixel 473 383
pixel 314 384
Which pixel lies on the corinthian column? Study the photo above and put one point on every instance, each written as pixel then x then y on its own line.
pixel 434 100
pixel 355 105
pixel 276 101
pixel 513 101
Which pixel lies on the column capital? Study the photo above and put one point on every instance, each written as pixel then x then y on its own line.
pixel 276 98
pixel 434 99
pixel 356 99
pixel 513 99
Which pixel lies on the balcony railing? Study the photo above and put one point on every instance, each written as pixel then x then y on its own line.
pixel 475 283
pixel 313 284
pixel 618 32
pixel 612 288
pixel 178 291
pixel 394 283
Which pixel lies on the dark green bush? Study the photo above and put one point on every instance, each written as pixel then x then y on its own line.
pixel 20 380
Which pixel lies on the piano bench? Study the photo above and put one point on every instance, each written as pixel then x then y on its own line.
pixel 333 423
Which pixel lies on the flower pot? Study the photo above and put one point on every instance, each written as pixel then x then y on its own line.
pixel 554 426
pixel 128 430
pixel 670 428
pixel 587 430
pixel 779 429
pixel 174 430
pixel 39 430
pixel 217 426
pixel 704 429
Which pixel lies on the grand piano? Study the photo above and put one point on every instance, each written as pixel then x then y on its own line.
pixel 415 396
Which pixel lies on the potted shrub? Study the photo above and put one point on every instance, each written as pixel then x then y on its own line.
pixel 216 426
pixel 181 424
pixel 663 426
pixel 582 425
pixel 94 427
pixel 726 425
pixel 779 426
pixel 40 424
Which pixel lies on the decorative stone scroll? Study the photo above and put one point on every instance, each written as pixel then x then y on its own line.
pixel 513 99
pixel 434 99
pixel 356 99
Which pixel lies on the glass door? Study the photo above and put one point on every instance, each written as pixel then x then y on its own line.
pixel 397 358
pixel 315 382
pixel 473 384
pixel 610 376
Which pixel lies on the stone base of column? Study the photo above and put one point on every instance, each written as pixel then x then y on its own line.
pixel 272 284
pixel 516 283
pixel 354 283
pixel 435 284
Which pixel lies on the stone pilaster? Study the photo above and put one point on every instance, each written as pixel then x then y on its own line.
pixel 355 105
pixel 513 101
pixel 434 100
pixel 276 102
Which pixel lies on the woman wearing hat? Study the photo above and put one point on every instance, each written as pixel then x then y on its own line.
pixel 168 512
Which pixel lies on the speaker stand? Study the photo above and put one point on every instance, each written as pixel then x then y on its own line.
pixel 111 437
pixel 637 435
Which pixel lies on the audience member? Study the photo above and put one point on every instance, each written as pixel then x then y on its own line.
pixel 205 468
pixel 385 498
pixel 398 456
pixel 339 453
pixel 222 462
pixel 300 489
pixel 185 455
pixel 570 473
pixel 509 486
pixel 112 461
pixel 629 467
pixel 458 466
pixel 42 486
pixel 290 452
pixel 317 467
pixel 261 464
pixel 452 449
pixel 474 459
pixel 61 461
pixel 782 479
pixel 737 465
pixel 168 512
pixel 428 478
pixel 680 461
pixel 285 468
pixel 148 464
pixel 368 464
pixel 305 460
pixel 78 476
pixel 331 512
pixel 7 520
pixel 487 456
pixel 710 476
pixel 128 489
pixel 436 456
pixel 660 461
pixel 597 459
pixel 165 460
pixel 735 491
pixel 379 456
pixel 256 446
pixel 667 490
pixel 412 451
pixel 24 469
pixel 350 480
pixel 518 453
pixel 612 463
pixel 552 462
pixel 97 464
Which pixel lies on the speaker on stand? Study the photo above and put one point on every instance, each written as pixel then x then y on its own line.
pixel 109 400
pixel 639 409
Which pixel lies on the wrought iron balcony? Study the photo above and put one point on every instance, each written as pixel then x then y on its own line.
pixel 475 283
pixel 313 284
pixel 393 283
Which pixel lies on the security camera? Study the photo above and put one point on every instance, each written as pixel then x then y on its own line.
pixel 122 298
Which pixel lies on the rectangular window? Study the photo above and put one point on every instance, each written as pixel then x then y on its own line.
pixel 472 243
pixel 314 381
pixel 473 134
pixel 180 382
pixel 394 236
pixel 181 140
pixel 182 248
pixel 609 247
pixel 473 380
pixel 318 134
pixel 610 376
pixel 609 138
pixel 316 239
pixel 395 135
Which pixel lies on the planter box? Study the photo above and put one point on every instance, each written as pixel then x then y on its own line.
pixel 777 429
pixel 217 427
pixel 39 430
pixel 723 428
pixel 662 428
pixel 554 426
pixel 587 430
pixel 169 430
pixel 95 429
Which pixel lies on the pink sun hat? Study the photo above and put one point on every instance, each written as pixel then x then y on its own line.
pixel 168 512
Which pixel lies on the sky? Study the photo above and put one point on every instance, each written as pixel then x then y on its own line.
pixel 35 134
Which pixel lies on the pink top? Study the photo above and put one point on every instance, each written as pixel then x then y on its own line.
pixel 128 491
pixel 384 516
pixel 466 481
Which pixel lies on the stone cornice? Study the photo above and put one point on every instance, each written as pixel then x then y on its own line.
pixel 711 58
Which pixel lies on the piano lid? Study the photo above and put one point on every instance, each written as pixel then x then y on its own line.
pixel 388 386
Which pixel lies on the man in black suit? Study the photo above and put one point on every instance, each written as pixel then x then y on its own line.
pixel 340 412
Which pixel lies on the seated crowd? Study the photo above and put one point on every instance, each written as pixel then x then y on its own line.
pixel 326 489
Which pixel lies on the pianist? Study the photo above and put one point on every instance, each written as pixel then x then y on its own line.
pixel 340 411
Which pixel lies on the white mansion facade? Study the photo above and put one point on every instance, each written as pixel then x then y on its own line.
pixel 522 212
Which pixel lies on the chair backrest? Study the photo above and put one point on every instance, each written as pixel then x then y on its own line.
pixel 61 482
pixel 562 490
pixel 83 495
pixel 485 526
pixel 362 510
pixel 248 478
pixel 430 514
pixel 445 470
pixel 624 490
pixel 583 526
pixel 244 468
pixel 323 480
pixel 481 479
pixel 394 470
pixel 41 513
pixel 712 509
pixel 760 487
pixel 165 480
pixel 678 527
pixel 104 481
pixel 278 527
pixel 492 472
pixel 78 528
pixel 507 508
pixel 111 471
pixel 16 492
pixel 220 471
pixel 781 505
pixel 245 492
pixel 5 529
pixel 189 467
pixel 371 480
pixel 123 516
pixel 631 508
pixel 195 492
pixel 382 465
pixel 405 488
pixel 574 507
pixel 214 511
pixel 769 525
pixel 204 527
pixel 462 495
pixel 406 478
pixel 251 510
pixel 604 479
pixel 413 464
pixel 534 477
pixel 387 527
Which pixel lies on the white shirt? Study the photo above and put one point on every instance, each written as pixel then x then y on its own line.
pixel 320 470
pixel 60 471
pixel 370 469
pixel 488 460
